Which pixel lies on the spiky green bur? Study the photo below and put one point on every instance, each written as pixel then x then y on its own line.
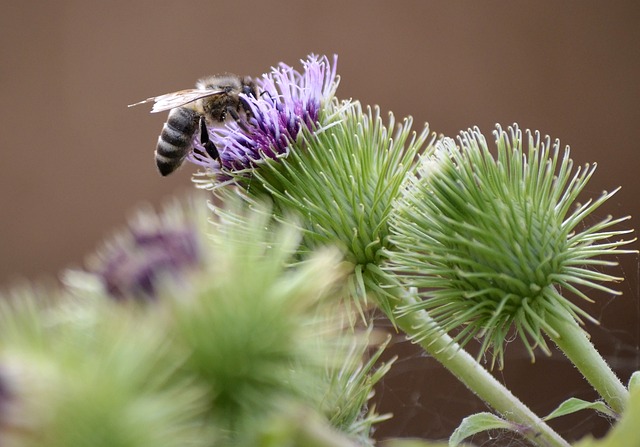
pixel 298 426
pixel 262 331
pixel 249 335
pixel 75 375
pixel 491 242
pixel 350 387
pixel 342 178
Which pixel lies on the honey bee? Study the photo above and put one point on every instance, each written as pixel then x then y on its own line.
pixel 214 99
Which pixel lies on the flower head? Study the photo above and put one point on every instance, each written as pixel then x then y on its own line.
pixel 154 248
pixel 491 242
pixel 288 100
pixel 343 181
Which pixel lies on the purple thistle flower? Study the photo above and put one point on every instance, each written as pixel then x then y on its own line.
pixel 287 100
pixel 136 262
pixel 7 401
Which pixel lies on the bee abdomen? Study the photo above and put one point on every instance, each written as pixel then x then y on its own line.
pixel 174 142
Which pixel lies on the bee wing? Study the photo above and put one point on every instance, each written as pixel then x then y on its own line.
pixel 177 99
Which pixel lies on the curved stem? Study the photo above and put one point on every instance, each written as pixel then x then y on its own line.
pixel 476 378
pixel 575 344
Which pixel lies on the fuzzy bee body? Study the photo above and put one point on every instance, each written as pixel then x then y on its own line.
pixel 175 140
pixel 214 99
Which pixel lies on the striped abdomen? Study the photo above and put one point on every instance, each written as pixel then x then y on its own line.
pixel 174 142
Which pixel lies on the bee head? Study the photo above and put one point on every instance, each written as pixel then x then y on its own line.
pixel 249 87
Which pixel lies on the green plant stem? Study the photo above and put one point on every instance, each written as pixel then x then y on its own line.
pixel 439 345
pixel 574 342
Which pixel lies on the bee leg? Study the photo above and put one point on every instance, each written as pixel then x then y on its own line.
pixel 245 106
pixel 242 123
pixel 206 142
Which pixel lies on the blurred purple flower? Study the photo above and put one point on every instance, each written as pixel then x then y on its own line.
pixel 18 378
pixel 7 398
pixel 287 101
pixel 134 266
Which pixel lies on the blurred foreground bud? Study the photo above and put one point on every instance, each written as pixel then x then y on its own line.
pixel 297 426
pixel 263 329
pixel 102 378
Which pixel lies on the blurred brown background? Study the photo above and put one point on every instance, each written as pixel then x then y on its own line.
pixel 75 160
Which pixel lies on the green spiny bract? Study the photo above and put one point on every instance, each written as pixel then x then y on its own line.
pixel 489 242
pixel 342 179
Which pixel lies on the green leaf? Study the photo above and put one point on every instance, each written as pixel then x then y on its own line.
pixel 477 423
pixel 625 432
pixel 634 381
pixel 573 404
